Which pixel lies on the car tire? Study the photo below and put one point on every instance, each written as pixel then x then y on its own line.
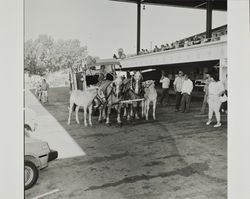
pixel 31 174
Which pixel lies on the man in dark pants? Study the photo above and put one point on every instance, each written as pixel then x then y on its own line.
pixel 178 82
pixel 186 90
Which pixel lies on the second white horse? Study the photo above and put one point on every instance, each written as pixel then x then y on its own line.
pixel 150 96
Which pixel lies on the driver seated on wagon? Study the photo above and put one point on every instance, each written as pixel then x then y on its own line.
pixel 104 74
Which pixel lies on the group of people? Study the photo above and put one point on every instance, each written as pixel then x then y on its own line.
pixel 42 91
pixel 197 39
pixel 183 87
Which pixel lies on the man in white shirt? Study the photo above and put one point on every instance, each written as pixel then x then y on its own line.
pixel 165 88
pixel 177 87
pixel 186 90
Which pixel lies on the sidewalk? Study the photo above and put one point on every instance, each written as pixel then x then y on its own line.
pixel 51 131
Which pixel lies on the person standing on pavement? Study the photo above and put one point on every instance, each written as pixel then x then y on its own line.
pixel 204 103
pixel 186 90
pixel 44 88
pixel 178 82
pixel 215 90
pixel 165 88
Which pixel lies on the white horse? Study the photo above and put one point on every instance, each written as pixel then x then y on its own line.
pixel 150 96
pixel 84 99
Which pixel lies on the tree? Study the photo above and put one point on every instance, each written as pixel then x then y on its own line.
pixel 46 54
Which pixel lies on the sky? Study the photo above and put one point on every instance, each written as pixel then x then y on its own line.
pixel 105 26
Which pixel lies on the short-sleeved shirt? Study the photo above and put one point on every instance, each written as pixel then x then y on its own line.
pixel 165 82
pixel 215 88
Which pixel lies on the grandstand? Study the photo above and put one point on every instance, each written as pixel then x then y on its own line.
pixel 217 34
pixel 195 55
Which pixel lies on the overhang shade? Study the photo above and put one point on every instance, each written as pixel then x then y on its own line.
pixel 220 5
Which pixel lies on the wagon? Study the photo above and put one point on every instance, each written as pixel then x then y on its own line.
pixel 90 72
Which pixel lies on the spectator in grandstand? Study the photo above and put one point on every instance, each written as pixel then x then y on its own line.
pixel 182 43
pixel 215 90
pixel 167 47
pixel 197 40
pixel 44 93
pixel 186 90
pixel 186 43
pixel 176 44
pixel 205 99
pixel 178 82
pixel 203 39
pixel 190 42
pixel 156 49
pixel 172 46
pixel 165 88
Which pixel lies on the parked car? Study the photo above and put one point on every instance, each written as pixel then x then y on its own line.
pixel 37 153
pixel 199 83
pixel 37 156
pixel 30 122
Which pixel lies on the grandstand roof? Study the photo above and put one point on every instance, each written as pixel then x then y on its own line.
pixel 220 5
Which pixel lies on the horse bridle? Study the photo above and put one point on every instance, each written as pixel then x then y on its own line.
pixel 100 98
pixel 131 88
pixel 148 85
pixel 112 91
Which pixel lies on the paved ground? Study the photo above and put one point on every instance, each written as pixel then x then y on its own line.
pixel 50 130
pixel 175 157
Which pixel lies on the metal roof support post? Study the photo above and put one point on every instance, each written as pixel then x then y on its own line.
pixel 209 18
pixel 138 26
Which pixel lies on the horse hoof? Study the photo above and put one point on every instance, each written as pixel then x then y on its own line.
pixel 120 124
pixel 100 121
pixel 108 124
